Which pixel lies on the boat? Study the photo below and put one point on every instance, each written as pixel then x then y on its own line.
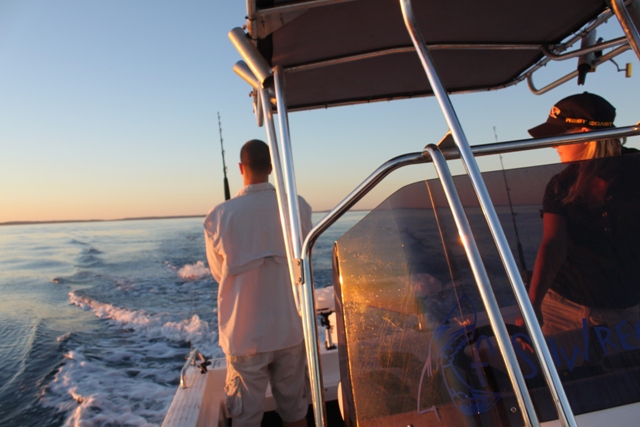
pixel 419 325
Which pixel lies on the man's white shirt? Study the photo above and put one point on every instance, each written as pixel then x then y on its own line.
pixel 247 257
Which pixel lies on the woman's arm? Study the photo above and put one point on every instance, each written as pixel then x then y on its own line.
pixel 551 255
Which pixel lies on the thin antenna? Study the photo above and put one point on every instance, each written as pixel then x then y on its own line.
pixel 523 265
pixel 227 193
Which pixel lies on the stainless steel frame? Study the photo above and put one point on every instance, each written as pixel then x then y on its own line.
pixel 249 52
pixel 242 69
pixel 280 184
pixel 418 158
pixel 573 74
pixel 551 55
pixel 451 153
pixel 542 351
pixel 596 47
pixel 484 286
pixel 309 323
pixel 631 41
pixel 259 75
pixel 628 21
pixel 299 256
pixel 305 299
pixel 295 229
pixel 289 211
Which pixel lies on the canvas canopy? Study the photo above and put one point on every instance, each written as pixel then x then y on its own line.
pixel 345 52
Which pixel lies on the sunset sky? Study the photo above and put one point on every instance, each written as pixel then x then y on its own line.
pixel 108 110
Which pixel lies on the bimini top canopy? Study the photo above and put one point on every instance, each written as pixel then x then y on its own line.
pixel 337 52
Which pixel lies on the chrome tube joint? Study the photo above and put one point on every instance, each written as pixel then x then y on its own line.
pixel 249 52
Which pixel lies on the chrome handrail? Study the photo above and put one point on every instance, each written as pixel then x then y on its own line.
pixel 484 285
pixel 304 299
pixel 280 185
pixel 604 58
pixel 308 301
pixel 418 158
pixel 191 361
pixel 565 412
pixel 488 149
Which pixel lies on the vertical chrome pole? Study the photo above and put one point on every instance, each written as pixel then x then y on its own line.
pixel 279 184
pixel 628 23
pixel 484 286
pixel 287 158
pixel 313 350
pixel 288 183
pixel 259 73
pixel 565 413
pixel 306 298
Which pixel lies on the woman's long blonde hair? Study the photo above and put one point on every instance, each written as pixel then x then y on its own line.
pixel 589 170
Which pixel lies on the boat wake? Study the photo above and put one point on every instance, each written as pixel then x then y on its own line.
pixel 127 374
pixel 105 385
pixel 195 271
pixel 153 326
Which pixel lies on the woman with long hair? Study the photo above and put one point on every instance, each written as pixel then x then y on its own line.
pixel 587 270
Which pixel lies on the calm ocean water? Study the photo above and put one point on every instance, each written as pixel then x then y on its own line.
pixel 96 318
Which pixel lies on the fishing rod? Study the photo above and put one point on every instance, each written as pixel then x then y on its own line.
pixel 227 193
pixel 523 265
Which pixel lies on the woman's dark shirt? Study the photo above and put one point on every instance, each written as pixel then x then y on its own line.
pixel 602 267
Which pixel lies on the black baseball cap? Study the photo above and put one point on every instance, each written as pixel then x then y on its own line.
pixel 576 111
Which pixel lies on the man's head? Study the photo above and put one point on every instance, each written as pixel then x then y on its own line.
pixel 255 162
pixel 583 111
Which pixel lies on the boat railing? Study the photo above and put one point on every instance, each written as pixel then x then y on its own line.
pixel 484 286
pixel 191 361
pixel 563 408
pixel 448 152
pixel 451 153
pixel 589 46
pixel 413 318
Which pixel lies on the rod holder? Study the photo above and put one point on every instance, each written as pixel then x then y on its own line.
pixel 249 52
pixel 242 69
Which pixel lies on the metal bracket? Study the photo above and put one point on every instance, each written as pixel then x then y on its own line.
pixel 298 271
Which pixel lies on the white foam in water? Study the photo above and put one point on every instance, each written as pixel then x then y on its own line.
pixel 191 330
pixel 129 377
pixel 95 394
pixel 195 271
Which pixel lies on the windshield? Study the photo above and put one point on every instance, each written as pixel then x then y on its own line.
pixel 415 341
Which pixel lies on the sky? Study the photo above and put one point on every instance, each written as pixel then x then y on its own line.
pixel 108 110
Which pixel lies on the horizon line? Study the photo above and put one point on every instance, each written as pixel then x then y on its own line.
pixel 62 221
pixel 141 218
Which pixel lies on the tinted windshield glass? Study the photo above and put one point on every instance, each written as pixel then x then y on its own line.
pixel 414 328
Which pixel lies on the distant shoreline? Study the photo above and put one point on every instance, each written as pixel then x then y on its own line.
pixel 142 218
pixel 65 221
